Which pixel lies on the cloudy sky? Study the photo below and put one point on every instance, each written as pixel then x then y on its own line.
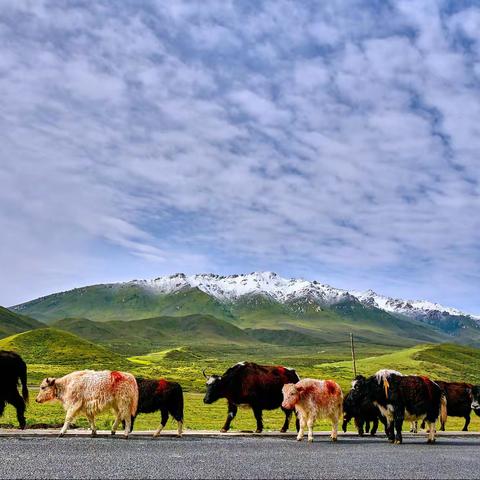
pixel 334 140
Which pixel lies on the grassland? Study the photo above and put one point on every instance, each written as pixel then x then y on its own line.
pixel 53 353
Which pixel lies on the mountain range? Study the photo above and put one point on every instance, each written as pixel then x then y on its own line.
pixel 261 307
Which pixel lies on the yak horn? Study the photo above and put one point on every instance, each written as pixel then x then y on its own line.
pixel 204 374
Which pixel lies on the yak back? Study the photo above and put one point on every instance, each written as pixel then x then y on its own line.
pixel 253 384
pixel 417 394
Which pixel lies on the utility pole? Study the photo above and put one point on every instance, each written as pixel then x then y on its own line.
pixel 352 346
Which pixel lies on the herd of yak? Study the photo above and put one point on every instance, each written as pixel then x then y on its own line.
pixel 387 397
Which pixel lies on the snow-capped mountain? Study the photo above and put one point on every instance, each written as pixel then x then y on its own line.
pixel 410 308
pixel 233 287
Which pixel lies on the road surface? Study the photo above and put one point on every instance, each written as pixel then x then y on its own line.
pixel 236 457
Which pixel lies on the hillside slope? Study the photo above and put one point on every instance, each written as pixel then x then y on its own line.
pixel 121 302
pixel 140 336
pixel 11 323
pixel 441 362
pixel 55 347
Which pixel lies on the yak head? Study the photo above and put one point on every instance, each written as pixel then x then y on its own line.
pixel 214 388
pixel 48 391
pixel 291 395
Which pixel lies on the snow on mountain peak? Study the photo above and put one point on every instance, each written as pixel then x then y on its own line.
pixel 269 284
pixel 232 287
pixel 410 308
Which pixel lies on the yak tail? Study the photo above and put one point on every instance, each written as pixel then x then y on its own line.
pixel 443 409
pixel 23 380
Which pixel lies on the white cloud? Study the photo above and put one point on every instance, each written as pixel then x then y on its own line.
pixel 335 141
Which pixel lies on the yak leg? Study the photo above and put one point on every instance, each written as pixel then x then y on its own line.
pixel 297 422
pixel 431 432
pixel 360 424
pixel 232 411
pixel 116 422
pixel 179 428
pixel 442 425
pixel 288 415
pixel 69 417
pixel 334 429
pixel 397 424
pixel 128 425
pixel 390 430
pixel 467 422
pixel 303 424
pixel 131 426
pixel 257 412
pixel 310 422
pixel 19 403
pixel 91 422
pixel 163 422
pixel 374 429
pixel 346 419
pixel 132 421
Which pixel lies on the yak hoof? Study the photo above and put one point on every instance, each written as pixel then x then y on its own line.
pixel 60 435
pixel 397 442
pixel 432 441
pixel 112 432
pixel 334 439
pixel 299 439
pixel 258 430
pixel 93 434
pixel 283 430
pixel 223 430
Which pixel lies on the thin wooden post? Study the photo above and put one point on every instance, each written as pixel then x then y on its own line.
pixel 352 346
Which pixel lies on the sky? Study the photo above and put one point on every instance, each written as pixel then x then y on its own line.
pixel 336 141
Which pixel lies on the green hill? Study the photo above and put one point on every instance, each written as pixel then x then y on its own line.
pixel 121 302
pixel 142 336
pixel 442 362
pixel 90 330
pixel 55 347
pixel 11 323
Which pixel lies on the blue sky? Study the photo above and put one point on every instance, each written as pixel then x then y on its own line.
pixel 334 140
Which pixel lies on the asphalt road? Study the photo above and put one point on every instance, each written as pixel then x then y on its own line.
pixel 233 457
